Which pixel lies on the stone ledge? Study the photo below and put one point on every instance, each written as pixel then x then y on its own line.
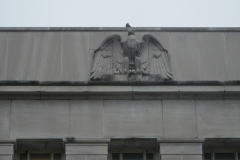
pixel 201 92
pixel 155 92
pixel 117 83
pixel 120 92
pixel 232 92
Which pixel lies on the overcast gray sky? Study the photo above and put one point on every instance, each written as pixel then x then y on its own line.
pixel 116 13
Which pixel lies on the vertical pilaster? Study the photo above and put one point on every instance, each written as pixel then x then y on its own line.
pixel 86 151
pixel 181 151
pixel 6 151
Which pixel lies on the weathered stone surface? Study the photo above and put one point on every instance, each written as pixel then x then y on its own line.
pixel 48 58
pixel 63 92
pixel 86 119
pixel 201 92
pixel 198 56
pixel 123 118
pixel 179 119
pixel 185 56
pixel 6 157
pixel 66 89
pixel 87 149
pixel 97 157
pixel 164 38
pixel 6 149
pixel 21 58
pixel 232 44
pixel 120 119
pixel 3 55
pixel 20 88
pixel 67 55
pixel 5 119
pixel 218 118
pixel 109 92
pixel 124 92
pixel 155 92
pixel 181 157
pixel 212 56
pixel 171 157
pixel 112 89
pixel 191 157
pixel 180 148
pixel 86 157
pixel 39 119
pixel 75 51
pixel 94 42
pixel 232 92
pixel 19 92
pixel 74 157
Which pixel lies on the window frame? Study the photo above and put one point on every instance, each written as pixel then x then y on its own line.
pixel 213 151
pixel 122 151
pixel 51 152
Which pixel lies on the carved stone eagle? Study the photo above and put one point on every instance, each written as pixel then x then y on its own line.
pixel 146 58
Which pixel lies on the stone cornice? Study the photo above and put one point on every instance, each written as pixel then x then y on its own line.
pixel 117 83
pixel 129 91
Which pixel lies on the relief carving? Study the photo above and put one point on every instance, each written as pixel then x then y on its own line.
pixel 118 60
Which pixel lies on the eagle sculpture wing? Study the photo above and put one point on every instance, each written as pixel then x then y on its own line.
pixel 154 58
pixel 107 58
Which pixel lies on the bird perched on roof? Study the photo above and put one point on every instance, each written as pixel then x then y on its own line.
pixel 127 25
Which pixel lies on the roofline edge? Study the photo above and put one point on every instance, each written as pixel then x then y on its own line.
pixel 172 29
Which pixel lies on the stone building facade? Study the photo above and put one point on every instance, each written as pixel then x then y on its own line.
pixel 50 109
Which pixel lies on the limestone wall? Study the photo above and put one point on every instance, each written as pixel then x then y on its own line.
pixel 98 119
pixel 67 55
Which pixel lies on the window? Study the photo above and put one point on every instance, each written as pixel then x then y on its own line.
pixel 133 149
pixel 39 149
pixel 132 155
pixel 40 155
pixel 222 155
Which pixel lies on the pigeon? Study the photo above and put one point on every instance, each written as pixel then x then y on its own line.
pixel 127 25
